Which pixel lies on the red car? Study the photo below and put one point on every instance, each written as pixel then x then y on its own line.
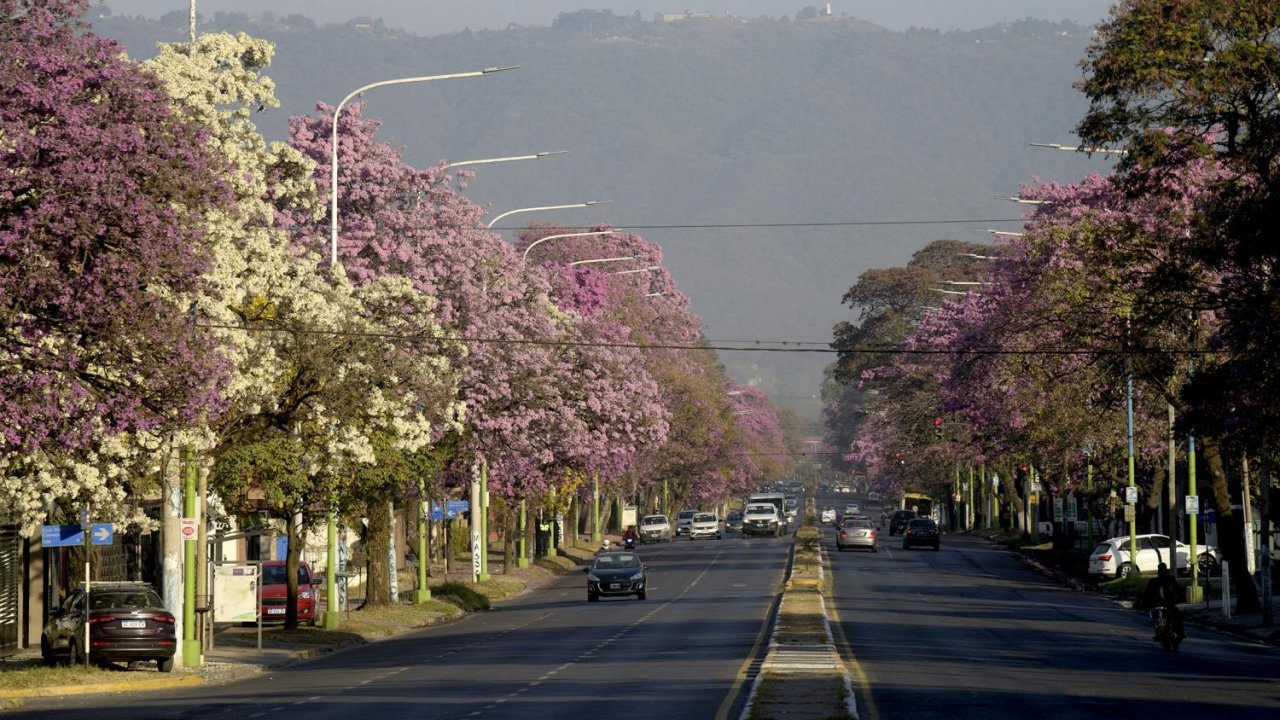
pixel 275 593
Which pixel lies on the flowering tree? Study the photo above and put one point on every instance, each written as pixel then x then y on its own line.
pixel 102 193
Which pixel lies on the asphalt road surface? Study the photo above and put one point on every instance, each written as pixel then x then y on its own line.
pixel 969 632
pixel 686 651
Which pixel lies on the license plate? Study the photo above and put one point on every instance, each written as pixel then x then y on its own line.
pixel 133 623
pixel 276 611
pixel 615 586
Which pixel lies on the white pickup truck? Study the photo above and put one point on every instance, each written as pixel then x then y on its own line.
pixel 762 519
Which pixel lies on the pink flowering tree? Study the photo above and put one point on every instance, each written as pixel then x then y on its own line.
pixel 102 192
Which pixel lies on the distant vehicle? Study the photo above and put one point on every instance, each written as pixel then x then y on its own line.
pixel 899 519
pixel 1110 559
pixel 762 519
pixel 683 521
pixel 921 503
pixel 733 521
pixel 127 622
pixel 614 574
pixel 852 509
pixel 873 496
pixel 275 593
pixel 655 528
pixel 828 515
pixel 857 533
pixel 705 525
pixel 922 531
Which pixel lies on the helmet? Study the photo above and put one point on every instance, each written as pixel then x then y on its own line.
pixel 606 544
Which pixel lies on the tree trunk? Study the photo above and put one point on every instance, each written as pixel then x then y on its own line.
pixel 377 548
pixel 292 557
pixel 1230 530
pixel 509 542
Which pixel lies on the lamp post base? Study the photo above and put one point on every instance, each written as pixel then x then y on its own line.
pixel 421 595
pixel 331 619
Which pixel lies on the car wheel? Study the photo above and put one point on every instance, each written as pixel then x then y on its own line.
pixel 164 664
pixel 77 654
pixel 592 597
pixel 1208 565
pixel 46 652
pixel 640 595
pixel 1125 570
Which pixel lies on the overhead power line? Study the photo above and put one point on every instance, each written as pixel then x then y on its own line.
pixel 843 223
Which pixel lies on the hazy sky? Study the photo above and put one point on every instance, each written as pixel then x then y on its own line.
pixel 433 17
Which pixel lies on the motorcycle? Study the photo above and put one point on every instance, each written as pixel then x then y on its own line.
pixel 629 543
pixel 1163 624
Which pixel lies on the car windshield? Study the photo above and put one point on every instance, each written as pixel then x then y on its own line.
pixel 926 524
pixel 687 514
pixel 275 575
pixel 654 520
pixel 760 510
pixel 704 517
pixel 863 524
pixel 617 561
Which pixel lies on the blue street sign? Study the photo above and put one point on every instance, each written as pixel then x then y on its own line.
pixel 451 509
pixel 103 534
pixel 61 535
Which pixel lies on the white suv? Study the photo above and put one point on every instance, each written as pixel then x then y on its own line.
pixel 1110 559
pixel 655 528
pixel 762 519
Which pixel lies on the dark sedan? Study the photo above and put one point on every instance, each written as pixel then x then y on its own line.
pixel 127 622
pixel 614 574
pixel 921 531
pixel 733 521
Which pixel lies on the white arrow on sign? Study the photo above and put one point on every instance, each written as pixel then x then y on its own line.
pixel 101 534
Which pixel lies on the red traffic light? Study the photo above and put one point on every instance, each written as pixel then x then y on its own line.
pixel 937 421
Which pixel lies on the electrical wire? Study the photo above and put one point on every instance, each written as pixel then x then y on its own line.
pixel 627 227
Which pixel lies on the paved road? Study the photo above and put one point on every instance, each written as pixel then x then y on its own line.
pixel 969 632
pixel 681 653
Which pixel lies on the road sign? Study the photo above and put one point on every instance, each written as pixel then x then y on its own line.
pixel 61 535
pixel 1057 509
pixel 102 533
pixel 187 530
pixel 452 509
pixel 1072 512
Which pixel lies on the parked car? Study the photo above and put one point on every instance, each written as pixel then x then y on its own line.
pixel 899 519
pixel 127 622
pixel 857 533
pixel 705 525
pixel 275 593
pixel 762 519
pixel 828 515
pixel 683 521
pixel 921 531
pixel 655 528
pixel 733 521
pixel 613 574
pixel 1110 559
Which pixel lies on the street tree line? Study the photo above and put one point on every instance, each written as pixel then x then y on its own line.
pixel 166 289
pixel 1153 284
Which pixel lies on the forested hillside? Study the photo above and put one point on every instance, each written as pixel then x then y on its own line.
pixel 772 160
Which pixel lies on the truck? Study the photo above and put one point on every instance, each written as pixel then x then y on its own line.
pixel 778 500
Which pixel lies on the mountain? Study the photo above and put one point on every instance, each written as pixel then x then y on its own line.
pixel 773 160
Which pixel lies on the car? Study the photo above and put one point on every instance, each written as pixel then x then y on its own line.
pixel 852 509
pixel 899 519
pixel 857 533
pixel 733 521
pixel 614 574
pixel 127 622
pixel 655 528
pixel 921 531
pixel 683 521
pixel 1110 559
pixel 275 593
pixel 828 515
pixel 762 519
pixel 705 525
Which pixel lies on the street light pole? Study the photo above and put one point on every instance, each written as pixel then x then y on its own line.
pixel 569 206
pixel 557 236
pixel 512 158
pixel 624 258
pixel 333 140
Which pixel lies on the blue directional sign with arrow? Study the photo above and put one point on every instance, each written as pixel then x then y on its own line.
pixel 67 535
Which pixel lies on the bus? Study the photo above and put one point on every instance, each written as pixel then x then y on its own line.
pixel 921 503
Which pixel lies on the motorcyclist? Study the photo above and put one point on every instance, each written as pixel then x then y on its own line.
pixel 1165 591
pixel 630 537
pixel 604 548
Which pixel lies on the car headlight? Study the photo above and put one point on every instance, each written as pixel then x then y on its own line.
pixel 592 578
pixel 637 576
pixel 304 595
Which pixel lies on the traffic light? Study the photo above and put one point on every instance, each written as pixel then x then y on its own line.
pixel 937 428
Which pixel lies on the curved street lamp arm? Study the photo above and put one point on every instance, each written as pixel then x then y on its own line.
pixel 589 203
pixel 541 240
pixel 333 140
